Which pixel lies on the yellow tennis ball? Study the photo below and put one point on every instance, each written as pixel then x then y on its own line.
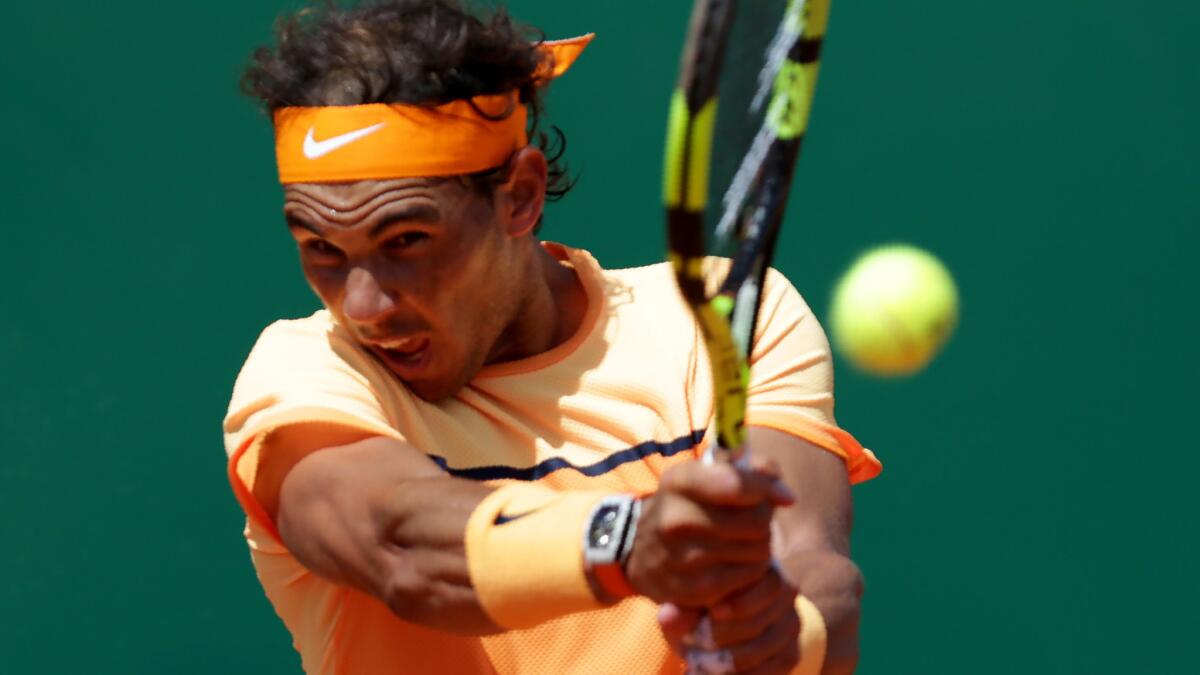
pixel 893 310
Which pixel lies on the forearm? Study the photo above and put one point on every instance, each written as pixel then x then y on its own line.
pixel 812 540
pixel 369 516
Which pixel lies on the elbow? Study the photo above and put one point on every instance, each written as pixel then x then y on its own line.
pixel 407 592
pixel 430 601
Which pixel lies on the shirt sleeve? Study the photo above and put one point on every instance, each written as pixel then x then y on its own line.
pixel 791 378
pixel 299 372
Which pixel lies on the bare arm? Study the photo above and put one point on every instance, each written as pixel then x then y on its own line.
pixel 812 538
pixel 376 514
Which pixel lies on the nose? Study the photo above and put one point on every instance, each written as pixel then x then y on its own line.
pixel 366 300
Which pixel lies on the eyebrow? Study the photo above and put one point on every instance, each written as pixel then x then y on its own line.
pixel 425 213
pixel 294 222
pixel 418 212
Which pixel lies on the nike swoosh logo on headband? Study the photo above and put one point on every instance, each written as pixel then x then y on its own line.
pixel 314 149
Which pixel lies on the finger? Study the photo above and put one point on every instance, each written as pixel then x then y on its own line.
pixel 725 580
pixel 677 623
pixel 679 517
pixel 755 599
pixel 725 484
pixel 780 494
pixel 730 632
pixel 782 635
pixel 707 587
pixel 761 464
pixel 781 663
pixel 697 553
pixel 739 524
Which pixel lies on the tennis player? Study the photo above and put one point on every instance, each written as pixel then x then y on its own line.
pixel 478 457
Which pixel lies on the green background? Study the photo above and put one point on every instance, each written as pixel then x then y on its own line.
pixel 1037 512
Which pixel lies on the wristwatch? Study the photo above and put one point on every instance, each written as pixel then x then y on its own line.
pixel 609 540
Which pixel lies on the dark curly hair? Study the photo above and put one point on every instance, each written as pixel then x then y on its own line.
pixel 422 52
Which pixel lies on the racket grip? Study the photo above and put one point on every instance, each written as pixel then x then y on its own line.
pixel 709 662
pixel 714 454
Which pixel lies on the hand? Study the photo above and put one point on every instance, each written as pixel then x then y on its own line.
pixel 706 533
pixel 755 630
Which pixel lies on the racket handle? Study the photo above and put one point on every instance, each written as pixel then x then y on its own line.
pixel 714 454
pixel 709 662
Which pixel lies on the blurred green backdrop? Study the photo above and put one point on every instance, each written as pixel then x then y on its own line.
pixel 1037 512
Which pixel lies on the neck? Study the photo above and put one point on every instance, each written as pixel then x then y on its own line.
pixel 551 312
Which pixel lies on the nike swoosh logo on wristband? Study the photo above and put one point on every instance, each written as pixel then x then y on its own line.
pixel 502 519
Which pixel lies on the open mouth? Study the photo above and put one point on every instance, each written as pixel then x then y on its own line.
pixel 405 356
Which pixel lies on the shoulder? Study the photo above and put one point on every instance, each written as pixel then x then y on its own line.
pixel 786 321
pixel 658 271
pixel 648 295
pixel 779 294
pixel 292 344
pixel 309 370
pixel 311 330
pixel 282 346
pixel 307 361
pixel 655 285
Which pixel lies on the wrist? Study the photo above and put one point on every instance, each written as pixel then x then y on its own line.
pixel 607 544
pixel 833 584
pixel 813 639
pixel 523 554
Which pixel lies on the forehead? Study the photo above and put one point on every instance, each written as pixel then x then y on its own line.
pixel 350 204
pixel 351 196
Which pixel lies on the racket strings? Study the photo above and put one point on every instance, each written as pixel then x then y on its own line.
pixel 789 33
pixel 776 56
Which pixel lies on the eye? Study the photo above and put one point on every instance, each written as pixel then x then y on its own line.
pixel 322 251
pixel 406 240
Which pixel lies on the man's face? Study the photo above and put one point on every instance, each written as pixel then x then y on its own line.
pixel 426 273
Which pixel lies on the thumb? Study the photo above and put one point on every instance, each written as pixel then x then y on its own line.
pixel 677 624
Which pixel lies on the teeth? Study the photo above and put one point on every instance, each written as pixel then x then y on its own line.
pixel 405 345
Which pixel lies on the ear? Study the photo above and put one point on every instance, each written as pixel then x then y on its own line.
pixel 523 194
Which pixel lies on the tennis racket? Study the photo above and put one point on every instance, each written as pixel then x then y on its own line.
pixel 737 120
pixel 738 117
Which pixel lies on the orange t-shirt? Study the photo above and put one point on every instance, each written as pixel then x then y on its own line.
pixel 611 409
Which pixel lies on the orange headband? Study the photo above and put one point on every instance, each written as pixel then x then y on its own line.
pixel 335 144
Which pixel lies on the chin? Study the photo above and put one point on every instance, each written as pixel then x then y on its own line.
pixel 434 391
pixel 428 390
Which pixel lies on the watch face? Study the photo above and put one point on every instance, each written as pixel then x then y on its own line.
pixel 603 527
